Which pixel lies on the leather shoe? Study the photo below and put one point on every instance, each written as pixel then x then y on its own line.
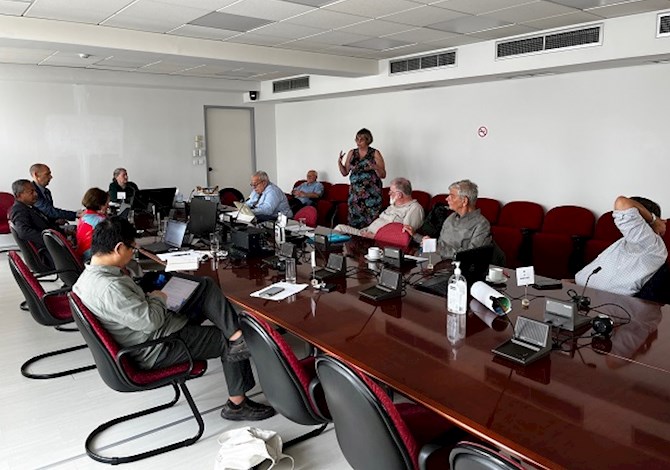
pixel 248 410
pixel 237 350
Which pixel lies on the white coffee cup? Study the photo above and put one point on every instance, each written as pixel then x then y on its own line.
pixel 374 252
pixel 496 274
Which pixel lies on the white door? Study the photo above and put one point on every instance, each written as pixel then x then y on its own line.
pixel 229 140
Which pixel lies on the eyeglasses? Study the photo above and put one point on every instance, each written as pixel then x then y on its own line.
pixel 253 185
pixel 130 247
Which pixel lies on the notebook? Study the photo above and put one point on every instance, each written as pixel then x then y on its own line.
pixel 389 286
pixel 529 343
pixel 474 266
pixel 172 240
pixel 337 266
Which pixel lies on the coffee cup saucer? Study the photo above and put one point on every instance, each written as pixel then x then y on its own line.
pixel 374 260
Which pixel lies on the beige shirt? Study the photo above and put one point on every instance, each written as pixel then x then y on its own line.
pixel 409 214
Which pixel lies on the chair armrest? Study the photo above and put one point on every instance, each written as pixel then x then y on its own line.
pixel 61 291
pixel 317 396
pixel 446 440
pixel 136 347
pixel 46 273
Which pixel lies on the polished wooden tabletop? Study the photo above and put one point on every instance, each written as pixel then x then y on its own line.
pixel 591 404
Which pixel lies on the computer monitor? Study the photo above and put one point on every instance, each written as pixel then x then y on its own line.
pixel 203 217
pixel 161 198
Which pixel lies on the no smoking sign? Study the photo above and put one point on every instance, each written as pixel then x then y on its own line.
pixel 482 131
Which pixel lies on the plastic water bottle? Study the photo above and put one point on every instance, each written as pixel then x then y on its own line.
pixel 457 291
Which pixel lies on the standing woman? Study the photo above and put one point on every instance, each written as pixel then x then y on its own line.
pixel 366 169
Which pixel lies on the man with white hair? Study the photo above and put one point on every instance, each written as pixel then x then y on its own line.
pixel 267 200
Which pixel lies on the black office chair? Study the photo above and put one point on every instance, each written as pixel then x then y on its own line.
pixel 289 384
pixel 375 433
pixel 48 309
pixel 67 262
pixel 471 456
pixel 38 260
pixel 120 373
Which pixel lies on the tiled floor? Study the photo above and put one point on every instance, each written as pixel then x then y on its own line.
pixel 44 423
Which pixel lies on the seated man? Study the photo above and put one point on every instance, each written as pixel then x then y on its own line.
pixel 41 178
pixel 466 227
pixel 403 209
pixel 133 317
pixel 28 221
pixel 120 184
pixel 267 200
pixel 628 263
pixel 307 193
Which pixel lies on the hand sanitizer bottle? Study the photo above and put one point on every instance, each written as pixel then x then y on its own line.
pixel 457 291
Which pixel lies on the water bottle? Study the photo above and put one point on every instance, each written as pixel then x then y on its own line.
pixel 457 291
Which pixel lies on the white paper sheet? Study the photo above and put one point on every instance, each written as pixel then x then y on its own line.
pixel 289 290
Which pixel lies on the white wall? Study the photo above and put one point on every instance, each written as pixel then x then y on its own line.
pixel 84 131
pixel 577 138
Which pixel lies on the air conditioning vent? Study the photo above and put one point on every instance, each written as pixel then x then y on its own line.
pixel 290 84
pixel 664 25
pixel 547 42
pixel 410 64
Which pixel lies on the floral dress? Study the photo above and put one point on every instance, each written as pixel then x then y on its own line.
pixel 365 190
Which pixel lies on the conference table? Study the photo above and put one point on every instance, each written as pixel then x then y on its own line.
pixel 594 403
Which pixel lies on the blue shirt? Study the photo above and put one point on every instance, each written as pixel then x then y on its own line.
pixel 306 187
pixel 45 204
pixel 270 202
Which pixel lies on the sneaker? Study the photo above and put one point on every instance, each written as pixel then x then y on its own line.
pixel 237 350
pixel 248 410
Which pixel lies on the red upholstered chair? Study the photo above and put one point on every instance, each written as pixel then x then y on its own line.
pixel 121 373
pixel 513 233
pixel 422 198
pixel 338 192
pixel 438 199
pixel 490 208
pixel 341 215
pixel 6 203
pixel 472 456
pixel 289 384
pixel 309 213
pixel 375 433
pixel 46 308
pixel 558 249
pixel 227 196
pixel 68 264
pixel 392 234
pixel 325 211
pixel 605 234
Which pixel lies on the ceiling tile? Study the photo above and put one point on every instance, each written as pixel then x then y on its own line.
pixel 124 61
pixel 419 35
pixel 81 11
pixel 371 8
pixel 203 32
pixel 210 5
pixel 378 44
pixel 529 11
pixel 469 24
pixel 632 8
pixel 257 39
pixel 69 59
pixel 8 7
pixel 353 52
pixel 266 9
pixel 312 3
pixel 336 38
pixel 326 19
pixel 504 32
pixel 152 15
pixel 305 45
pixel 423 16
pixel 288 30
pixel 20 55
pixel 404 51
pixel 454 40
pixel 376 28
pixel 163 67
pixel 229 22
pixel 584 4
pixel 477 7
pixel 563 20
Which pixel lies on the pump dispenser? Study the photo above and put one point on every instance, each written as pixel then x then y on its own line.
pixel 457 291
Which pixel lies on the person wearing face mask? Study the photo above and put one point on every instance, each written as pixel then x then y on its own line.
pixel 403 209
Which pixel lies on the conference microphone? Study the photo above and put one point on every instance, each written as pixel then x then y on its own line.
pixel 583 302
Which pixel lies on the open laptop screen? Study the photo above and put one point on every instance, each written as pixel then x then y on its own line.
pixel 174 233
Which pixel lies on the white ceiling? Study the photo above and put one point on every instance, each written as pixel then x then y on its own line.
pixel 256 40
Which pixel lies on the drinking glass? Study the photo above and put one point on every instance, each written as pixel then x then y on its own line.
pixel 214 243
pixel 302 228
pixel 290 271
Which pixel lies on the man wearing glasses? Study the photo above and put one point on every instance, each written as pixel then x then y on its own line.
pixel 267 200
pixel 403 209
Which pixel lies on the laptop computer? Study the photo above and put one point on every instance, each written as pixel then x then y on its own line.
pixel 529 343
pixel 243 214
pixel 388 287
pixel 172 240
pixel 474 266
pixel 336 267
